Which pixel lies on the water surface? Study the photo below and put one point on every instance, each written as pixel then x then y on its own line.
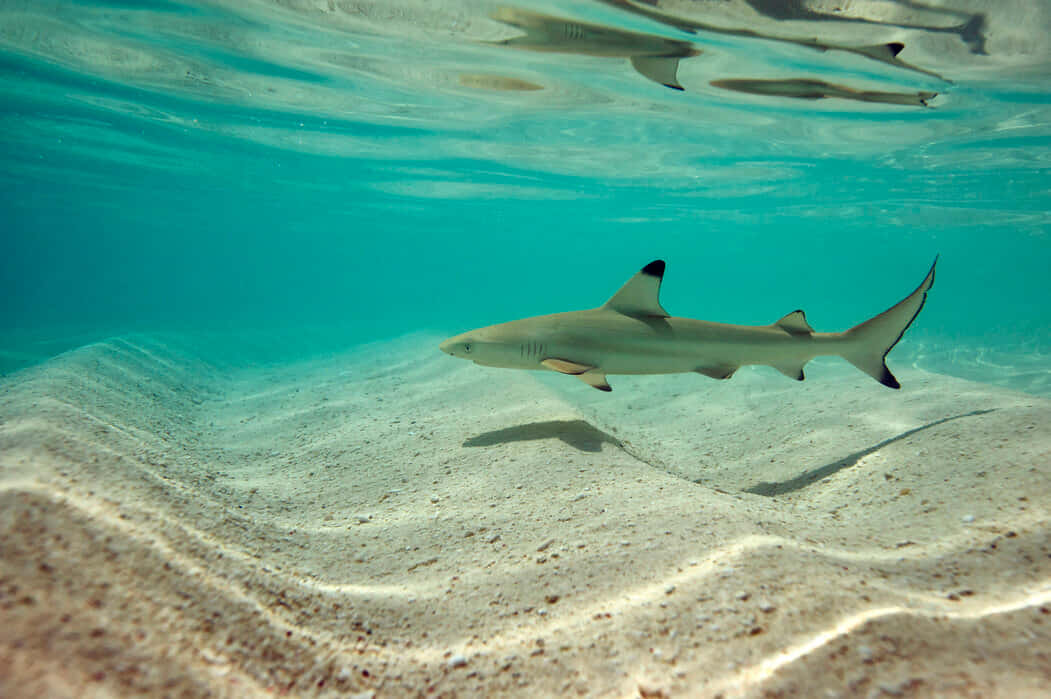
pixel 375 168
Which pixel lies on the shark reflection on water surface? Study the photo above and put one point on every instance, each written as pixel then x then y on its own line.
pixel 810 89
pixel 657 57
pixel 654 57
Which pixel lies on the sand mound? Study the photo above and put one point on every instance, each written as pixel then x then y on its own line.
pixel 394 521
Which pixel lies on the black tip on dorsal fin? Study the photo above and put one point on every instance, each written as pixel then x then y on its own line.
pixel 895 47
pixel 654 269
pixel 639 296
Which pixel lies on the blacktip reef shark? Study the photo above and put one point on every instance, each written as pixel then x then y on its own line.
pixel 633 334
pixel 810 89
pixel 654 57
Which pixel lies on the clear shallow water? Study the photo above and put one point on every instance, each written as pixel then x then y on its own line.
pixel 372 169
pixel 196 197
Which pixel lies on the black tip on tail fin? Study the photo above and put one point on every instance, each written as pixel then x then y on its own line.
pixel 872 340
pixel 888 378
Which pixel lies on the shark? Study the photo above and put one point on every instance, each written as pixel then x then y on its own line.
pixel 811 89
pixel 632 334
pixel 654 57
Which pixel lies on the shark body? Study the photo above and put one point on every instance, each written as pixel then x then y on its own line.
pixel 810 89
pixel 654 57
pixel 633 334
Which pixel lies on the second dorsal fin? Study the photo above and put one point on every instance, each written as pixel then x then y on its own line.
pixel 640 296
pixel 795 323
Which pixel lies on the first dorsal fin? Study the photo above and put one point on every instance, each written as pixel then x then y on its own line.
pixel 883 52
pixel 660 69
pixel 640 295
pixel 795 323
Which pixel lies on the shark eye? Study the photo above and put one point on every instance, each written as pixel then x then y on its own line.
pixel 467 347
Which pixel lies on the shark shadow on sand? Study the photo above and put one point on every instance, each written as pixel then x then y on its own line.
pixel 813 476
pixel 579 434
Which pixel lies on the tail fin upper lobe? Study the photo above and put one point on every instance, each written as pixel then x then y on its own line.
pixel 869 342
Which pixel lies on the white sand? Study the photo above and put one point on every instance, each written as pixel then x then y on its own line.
pixel 396 521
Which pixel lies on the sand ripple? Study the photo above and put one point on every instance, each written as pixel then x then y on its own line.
pixel 178 518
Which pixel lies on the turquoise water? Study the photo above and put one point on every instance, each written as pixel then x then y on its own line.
pixel 234 462
pixel 373 169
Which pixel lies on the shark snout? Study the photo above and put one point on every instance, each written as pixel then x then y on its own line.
pixel 459 346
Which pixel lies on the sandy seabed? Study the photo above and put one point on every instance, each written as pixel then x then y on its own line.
pixel 394 522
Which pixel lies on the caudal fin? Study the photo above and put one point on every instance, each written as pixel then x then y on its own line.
pixel 869 343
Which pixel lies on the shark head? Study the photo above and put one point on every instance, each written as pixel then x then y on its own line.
pixel 462 345
pixel 476 345
pixel 503 345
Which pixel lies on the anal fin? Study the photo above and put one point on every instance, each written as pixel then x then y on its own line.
pixel 791 370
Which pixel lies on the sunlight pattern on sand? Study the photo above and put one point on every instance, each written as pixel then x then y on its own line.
pixel 432 565
pixel 235 463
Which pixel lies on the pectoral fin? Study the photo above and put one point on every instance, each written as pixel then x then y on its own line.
pixel 586 373
pixel 564 366
pixel 717 372
pixel 596 379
